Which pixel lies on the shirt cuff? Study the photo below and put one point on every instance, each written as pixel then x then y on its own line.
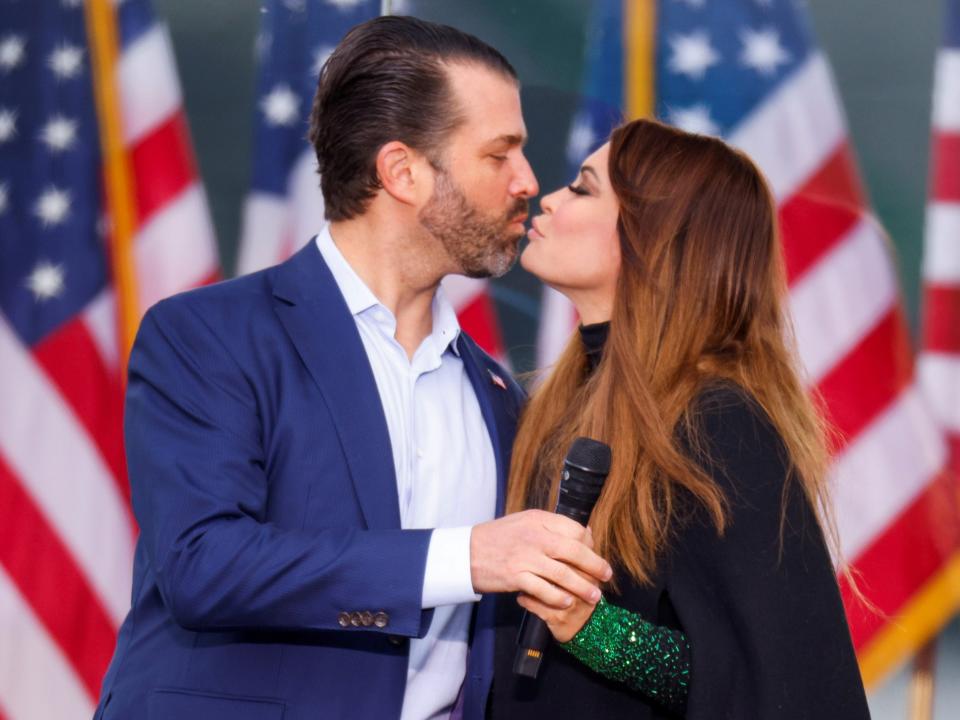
pixel 446 580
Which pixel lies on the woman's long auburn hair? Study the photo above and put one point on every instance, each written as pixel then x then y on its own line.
pixel 699 302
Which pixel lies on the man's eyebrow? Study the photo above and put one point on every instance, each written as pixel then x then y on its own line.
pixel 509 139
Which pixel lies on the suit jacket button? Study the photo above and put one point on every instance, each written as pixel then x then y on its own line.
pixel 366 617
pixel 355 619
pixel 396 640
pixel 381 619
pixel 344 619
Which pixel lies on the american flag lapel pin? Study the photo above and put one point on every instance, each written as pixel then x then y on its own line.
pixel 497 380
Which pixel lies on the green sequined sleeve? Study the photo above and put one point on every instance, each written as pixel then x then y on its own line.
pixel 622 646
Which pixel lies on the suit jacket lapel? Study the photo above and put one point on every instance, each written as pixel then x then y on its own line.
pixel 484 388
pixel 316 317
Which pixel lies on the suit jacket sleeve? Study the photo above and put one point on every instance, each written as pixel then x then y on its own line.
pixel 196 464
pixel 764 617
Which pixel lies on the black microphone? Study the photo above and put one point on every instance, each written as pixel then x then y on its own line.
pixel 584 471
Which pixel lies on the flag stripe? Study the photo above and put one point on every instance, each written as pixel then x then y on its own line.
pixel 265 236
pixel 871 377
pixel 147 104
pixel 855 276
pixel 176 248
pixel 941 252
pixel 87 510
pixel 36 681
pixel 940 375
pixel 164 155
pixel 941 318
pixel 93 390
pixel 946 99
pixel 884 468
pixel 814 137
pixel 898 562
pixel 820 213
pixel 946 167
pixel 48 579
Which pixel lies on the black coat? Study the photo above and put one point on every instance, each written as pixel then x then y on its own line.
pixel 765 622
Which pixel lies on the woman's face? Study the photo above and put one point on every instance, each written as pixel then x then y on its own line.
pixel 574 246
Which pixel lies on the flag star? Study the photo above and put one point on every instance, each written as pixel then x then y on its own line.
pixel 295 5
pixel 65 61
pixel 320 57
pixel 581 140
pixel 692 54
pixel 46 281
pixel 53 206
pixel 694 119
pixel 11 52
pixel 281 106
pixel 71 3
pixel 762 50
pixel 8 124
pixel 3 197
pixel 59 134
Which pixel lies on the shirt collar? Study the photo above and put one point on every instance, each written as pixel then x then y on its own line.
pixel 360 298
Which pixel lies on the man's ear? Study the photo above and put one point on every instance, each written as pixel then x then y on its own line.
pixel 401 172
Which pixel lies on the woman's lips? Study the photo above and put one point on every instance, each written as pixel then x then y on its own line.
pixel 534 232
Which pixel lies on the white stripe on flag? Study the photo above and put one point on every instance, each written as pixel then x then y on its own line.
pixel 147 104
pixel 265 229
pixel 71 484
pixel 36 680
pixel 844 295
pixel 941 252
pixel 461 290
pixel 946 91
pixel 175 249
pixel 558 319
pixel 939 375
pixel 100 319
pixel 791 135
pixel 884 469
pixel 306 201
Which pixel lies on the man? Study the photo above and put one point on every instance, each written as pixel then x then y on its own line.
pixel 295 436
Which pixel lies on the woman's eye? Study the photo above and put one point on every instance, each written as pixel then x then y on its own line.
pixel 578 190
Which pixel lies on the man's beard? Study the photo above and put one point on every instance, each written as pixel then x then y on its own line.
pixel 481 245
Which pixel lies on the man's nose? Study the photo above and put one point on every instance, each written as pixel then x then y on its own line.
pixel 524 182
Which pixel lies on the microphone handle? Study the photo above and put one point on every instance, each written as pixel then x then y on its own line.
pixel 534 636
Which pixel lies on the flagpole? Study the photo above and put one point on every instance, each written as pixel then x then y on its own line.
pixel 922 683
pixel 102 30
pixel 386 7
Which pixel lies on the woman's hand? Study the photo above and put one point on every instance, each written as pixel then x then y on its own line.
pixel 563 622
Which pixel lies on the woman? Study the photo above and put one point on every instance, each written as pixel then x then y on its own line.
pixel 724 602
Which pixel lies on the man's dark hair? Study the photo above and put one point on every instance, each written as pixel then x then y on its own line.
pixel 386 81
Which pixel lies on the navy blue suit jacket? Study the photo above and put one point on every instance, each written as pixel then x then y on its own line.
pixel 263 482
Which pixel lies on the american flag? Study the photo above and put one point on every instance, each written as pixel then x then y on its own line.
pixel 751 72
pixel 284 209
pixel 939 365
pixel 66 529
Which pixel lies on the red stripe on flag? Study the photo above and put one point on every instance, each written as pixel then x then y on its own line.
pixel 821 212
pixel 479 320
pixel 58 593
pixel 71 360
pixel 899 562
pixel 868 379
pixel 941 318
pixel 163 165
pixel 946 167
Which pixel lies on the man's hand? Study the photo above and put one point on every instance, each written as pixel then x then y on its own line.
pixel 563 623
pixel 539 554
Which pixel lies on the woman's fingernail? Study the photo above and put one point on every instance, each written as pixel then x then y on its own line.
pixel 567 601
pixel 595 596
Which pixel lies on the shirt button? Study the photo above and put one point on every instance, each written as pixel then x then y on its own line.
pixel 381 619
pixel 344 619
pixel 420 453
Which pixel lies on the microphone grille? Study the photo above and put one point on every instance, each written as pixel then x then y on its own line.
pixel 591 455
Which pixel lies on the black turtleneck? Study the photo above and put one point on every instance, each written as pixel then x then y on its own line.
pixel 594 337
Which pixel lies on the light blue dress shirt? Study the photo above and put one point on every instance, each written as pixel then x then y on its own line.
pixel 445 469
